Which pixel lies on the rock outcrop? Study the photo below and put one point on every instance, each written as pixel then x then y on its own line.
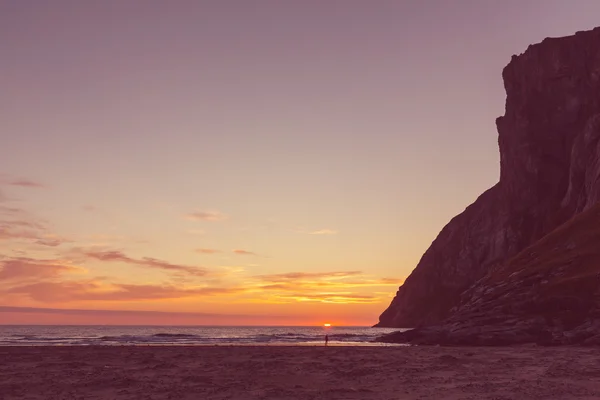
pixel 549 141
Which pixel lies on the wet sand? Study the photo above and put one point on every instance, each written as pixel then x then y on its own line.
pixel 271 372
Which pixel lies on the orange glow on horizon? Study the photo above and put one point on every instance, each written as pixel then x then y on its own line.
pixel 131 317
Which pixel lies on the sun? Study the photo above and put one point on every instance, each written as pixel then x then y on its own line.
pixel 327 325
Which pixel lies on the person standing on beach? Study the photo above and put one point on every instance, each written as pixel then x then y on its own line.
pixel 326 339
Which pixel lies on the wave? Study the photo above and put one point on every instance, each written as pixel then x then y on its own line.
pixel 179 338
pixel 174 335
pixel 116 336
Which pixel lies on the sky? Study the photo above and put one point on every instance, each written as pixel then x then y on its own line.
pixel 257 162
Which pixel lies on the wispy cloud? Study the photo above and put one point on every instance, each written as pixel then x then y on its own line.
pixel 93 290
pixel 101 239
pixel 324 232
pixel 327 287
pixel 339 298
pixel 51 240
pixel 26 183
pixel 118 256
pixel 14 212
pixel 16 223
pixel 9 233
pixel 26 224
pixel 323 284
pixel 23 230
pixel 22 182
pixel 208 251
pixel 241 252
pixel 28 268
pixel 59 281
pixel 56 281
pixel 206 216
pixel 290 276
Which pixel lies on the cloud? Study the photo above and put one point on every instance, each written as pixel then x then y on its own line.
pixel 101 237
pixel 31 231
pixel 22 229
pixel 51 240
pixel 93 290
pixel 208 251
pixel 326 287
pixel 18 224
pixel 11 211
pixel 240 252
pixel 49 281
pixel 338 298
pixel 7 233
pixel 26 183
pixel 24 224
pixel 118 256
pixel 290 276
pixel 21 182
pixel 324 232
pixel 53 292
pixel 206 216
pixel 271 282
pixel 27 268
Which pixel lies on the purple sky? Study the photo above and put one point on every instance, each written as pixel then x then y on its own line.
pixel 251 139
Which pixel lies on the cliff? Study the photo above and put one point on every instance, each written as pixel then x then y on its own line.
pixel 548 294
pixel 549 142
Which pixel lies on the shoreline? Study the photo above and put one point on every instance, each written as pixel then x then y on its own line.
pixel 179 345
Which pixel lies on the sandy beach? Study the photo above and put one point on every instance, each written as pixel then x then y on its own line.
pixel 273 372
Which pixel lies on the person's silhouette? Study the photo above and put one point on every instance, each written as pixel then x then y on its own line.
pixel 326 339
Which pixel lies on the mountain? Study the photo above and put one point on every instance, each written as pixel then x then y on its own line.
pixel 549 142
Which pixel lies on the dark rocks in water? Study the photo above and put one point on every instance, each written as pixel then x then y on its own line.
pixel 520 264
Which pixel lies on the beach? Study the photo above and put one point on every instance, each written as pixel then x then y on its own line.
pixel 298 372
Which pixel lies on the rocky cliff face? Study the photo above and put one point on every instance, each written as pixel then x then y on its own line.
pixel 549 140
pixel 549 293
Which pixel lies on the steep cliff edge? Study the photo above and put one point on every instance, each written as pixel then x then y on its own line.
pixel 549 141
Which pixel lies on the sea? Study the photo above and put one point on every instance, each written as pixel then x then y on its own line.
pixel 111 335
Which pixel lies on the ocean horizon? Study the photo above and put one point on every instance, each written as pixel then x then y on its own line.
pixel 118 335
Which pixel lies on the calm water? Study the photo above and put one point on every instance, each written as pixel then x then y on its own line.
pixel 12 335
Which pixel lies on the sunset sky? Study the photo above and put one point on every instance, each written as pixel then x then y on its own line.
pixel 243 162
